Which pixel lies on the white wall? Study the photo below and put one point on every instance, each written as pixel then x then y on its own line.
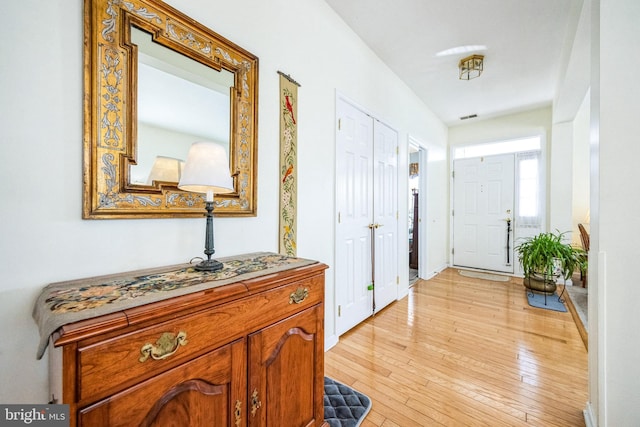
pixel 512 126
pixel 580 186
pixel 43 238
pixel 560 173
pixel 614 215
pixel 570 146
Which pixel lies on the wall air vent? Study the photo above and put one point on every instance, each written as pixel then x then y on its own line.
pixel 470 116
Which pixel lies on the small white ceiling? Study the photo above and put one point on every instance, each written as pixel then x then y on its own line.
pixel 527 43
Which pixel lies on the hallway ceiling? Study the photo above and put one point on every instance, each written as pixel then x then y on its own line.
pixel 526 44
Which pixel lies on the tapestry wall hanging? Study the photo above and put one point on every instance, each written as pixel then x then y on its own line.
pixel 288 163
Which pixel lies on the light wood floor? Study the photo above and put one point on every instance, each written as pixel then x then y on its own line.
pixel 460 351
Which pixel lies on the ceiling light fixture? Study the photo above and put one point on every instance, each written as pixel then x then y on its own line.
pixel 471 67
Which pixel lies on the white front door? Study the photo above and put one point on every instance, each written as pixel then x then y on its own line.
pixel 385 213
pixel 483 195
pixel 354 192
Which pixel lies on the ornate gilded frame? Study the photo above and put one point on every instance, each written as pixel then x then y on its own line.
pixel 110 71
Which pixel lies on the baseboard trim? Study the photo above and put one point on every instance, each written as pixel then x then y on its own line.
pixel 589 419
pixel 435 272
pixel 330 342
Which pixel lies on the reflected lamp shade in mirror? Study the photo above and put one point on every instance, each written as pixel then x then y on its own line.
pixel 166 169
pixel 206 170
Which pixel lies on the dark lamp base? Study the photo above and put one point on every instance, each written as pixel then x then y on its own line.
pixel 209 265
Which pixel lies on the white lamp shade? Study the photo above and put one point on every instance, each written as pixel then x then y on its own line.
pixel 206 169
pixel 166 169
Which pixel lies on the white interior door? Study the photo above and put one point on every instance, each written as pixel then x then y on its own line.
pixel 483 195
pixel 385 211
pixel 354 192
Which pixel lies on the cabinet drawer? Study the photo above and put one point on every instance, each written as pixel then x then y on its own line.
pixel 115 363
pixel 283 301
pixel 112 364
pixel 199 392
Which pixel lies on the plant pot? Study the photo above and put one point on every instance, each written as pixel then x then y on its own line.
pixel 540 284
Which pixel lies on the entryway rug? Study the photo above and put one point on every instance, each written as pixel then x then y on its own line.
pixel 484 276
pixel 551 303
pixel 344 406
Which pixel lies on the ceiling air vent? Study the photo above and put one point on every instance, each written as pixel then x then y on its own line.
pixel 471 116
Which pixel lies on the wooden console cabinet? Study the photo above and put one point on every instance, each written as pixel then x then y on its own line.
pixel 248 353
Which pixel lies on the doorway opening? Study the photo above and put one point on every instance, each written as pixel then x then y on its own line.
pixel 416 211
pixel 498 198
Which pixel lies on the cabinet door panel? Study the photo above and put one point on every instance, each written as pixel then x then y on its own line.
pixel 208 390
pixel 286 372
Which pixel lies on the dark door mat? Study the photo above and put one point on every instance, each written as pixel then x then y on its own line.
pixel 344 406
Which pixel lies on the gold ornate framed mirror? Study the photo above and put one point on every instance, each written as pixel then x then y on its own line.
pixel 156 81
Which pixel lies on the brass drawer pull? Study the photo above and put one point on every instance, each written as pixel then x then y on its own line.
pixel 299 295
pixel 166 345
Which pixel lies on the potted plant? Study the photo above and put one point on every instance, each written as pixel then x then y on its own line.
pixel 545 258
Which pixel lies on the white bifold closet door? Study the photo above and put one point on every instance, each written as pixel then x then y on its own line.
pixel 367 215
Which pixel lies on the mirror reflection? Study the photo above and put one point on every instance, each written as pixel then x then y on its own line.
pixel 194 85
pixel 179 101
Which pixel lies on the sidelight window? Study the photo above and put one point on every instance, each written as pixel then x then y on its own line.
pixel 528 209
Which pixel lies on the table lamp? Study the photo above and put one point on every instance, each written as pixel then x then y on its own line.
pixel 207 171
